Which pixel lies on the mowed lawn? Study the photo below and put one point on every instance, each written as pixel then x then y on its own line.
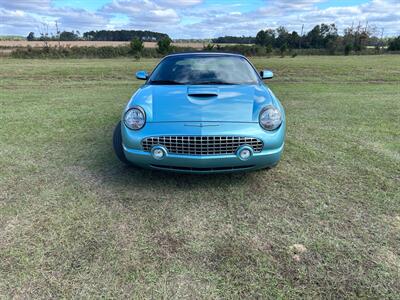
pixel 75 222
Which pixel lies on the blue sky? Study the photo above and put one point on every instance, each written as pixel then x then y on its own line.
pixel 196 18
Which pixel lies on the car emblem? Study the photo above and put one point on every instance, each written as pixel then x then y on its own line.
pixel 200 125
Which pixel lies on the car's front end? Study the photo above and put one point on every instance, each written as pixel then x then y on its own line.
pixel 203 129
pixel 209 147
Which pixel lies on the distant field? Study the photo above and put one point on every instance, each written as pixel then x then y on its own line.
pixel 11 38
pixel 17 44
pixel 6 47
pixel 76 223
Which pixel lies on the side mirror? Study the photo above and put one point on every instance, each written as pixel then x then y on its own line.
pixel 142 75
pixel 266 74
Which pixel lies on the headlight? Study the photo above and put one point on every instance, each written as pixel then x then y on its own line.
pixel 270 118
pixel 135 118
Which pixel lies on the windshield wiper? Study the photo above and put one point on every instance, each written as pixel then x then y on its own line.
pixel 171 82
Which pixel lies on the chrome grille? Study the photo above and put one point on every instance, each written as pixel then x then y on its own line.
pixel 202 145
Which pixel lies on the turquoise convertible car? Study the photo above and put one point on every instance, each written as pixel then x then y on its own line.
pixel 202 113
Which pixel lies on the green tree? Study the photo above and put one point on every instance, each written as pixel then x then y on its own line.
pixel 164 46
pixel 268 49
pixel 331 46
pixel 294 40
pixel 265 37
pixel 261 38
pixel 347 49
pixel 282 38
pixel 283 49
pixel 68 36
pixel 136 46
pixel 31 36
pixel 322 35
pixel 356 37
pixel 394 44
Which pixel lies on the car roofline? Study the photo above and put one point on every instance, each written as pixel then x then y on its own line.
pixel 205 53
pixel 210 54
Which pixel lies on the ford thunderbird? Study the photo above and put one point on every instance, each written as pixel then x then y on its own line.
pixel 202 113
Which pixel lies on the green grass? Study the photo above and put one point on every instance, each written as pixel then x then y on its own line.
pixel 74 222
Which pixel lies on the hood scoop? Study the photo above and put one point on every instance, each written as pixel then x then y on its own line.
pixel 202 92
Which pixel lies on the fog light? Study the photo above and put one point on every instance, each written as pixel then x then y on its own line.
pixel 245 152
pixel 158 152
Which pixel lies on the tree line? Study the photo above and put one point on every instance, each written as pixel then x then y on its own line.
pixel 323 36
pixel 124 35
pixel 101 35
pixel 234 40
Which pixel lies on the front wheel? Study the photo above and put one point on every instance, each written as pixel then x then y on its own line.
pixel 117 144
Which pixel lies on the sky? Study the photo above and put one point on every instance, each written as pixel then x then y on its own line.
pixel 196 18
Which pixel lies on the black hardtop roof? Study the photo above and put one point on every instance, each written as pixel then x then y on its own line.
pixel 205 54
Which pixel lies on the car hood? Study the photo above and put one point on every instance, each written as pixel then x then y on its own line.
pixel 233 103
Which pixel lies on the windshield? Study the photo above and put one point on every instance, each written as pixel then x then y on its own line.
pixel 204 69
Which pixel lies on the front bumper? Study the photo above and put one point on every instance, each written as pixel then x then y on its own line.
pixel 268 157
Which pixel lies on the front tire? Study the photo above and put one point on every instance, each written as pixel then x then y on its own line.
pixel 117 144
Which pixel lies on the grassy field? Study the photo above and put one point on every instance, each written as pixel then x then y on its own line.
pixel 74 222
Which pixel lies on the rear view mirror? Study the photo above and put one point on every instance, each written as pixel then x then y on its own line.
pixel 142 75
pixel 266 74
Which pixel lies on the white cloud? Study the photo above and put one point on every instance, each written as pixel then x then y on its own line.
pixel 21 17
pixel 73 19
pixel 178 3
pixel 285 6
pixel 293 14
pixel 206 20
pixel 142 12
pixel 27 5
